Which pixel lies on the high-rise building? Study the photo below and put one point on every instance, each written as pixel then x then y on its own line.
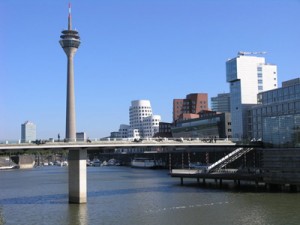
pixel 192 104
pixel 28 132
pixel 70 42
pixel 142 122
pixel 221 103
pixel 247 76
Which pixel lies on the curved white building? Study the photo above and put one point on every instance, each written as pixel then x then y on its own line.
pixel 142 122
pixel 151 125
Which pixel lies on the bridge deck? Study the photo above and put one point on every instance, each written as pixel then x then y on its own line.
pixel 116 144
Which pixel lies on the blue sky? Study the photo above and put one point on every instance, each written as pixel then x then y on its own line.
pixel 134 49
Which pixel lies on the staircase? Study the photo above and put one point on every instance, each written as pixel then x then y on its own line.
pixel 232 156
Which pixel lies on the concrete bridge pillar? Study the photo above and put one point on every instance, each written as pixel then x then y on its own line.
pixel 77 176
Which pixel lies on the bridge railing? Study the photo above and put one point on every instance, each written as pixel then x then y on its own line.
pixel 121 140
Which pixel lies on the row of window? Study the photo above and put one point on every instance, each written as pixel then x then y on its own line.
pixel 150 129
pixel 188 103
pixel 188 107
pixel 281 94
pixel 285 108
pixel 141 123
pixel 140 114
pixel 149 120
pixel 141 110
pixel 140 107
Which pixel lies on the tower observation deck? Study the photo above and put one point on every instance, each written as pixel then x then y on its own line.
pixel 70 42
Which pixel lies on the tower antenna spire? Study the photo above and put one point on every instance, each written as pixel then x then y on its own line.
pixel 70 18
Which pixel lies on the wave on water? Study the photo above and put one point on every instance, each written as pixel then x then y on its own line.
pixel 186 207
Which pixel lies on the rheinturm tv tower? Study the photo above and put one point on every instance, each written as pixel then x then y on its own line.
pixel 70 42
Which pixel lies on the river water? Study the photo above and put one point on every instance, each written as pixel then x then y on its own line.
pixel 123 195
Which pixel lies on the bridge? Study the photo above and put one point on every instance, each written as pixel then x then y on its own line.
pixel 78 154
pixel 115 143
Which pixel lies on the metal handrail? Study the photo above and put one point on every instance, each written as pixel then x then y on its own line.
pixel 228 158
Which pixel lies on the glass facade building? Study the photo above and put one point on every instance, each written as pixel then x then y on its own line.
pixel 276 120
pixel 217 125
pixel 221 103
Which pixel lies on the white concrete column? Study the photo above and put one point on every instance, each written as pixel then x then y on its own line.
pixel 77 176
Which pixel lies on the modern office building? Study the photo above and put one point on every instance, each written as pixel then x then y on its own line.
pixel 247 76
pixel 28 132
pixel 210 124
pixel 192 104
pixel 164 130
pixel 276 119
pixel 123 131
pixel 221 103
pixel 81 136
pixel 70 42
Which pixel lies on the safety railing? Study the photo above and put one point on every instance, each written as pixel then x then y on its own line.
pixel 121 140
pixel 228 159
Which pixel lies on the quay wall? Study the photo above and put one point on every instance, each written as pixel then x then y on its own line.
pixel 281 166
pixel 24 161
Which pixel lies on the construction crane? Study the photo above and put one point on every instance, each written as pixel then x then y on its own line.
pixel 251 53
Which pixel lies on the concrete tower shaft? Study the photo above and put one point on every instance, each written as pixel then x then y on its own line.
pixel 70 42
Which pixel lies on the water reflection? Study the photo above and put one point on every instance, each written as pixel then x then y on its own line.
pixel 78 214
pixel 38 199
